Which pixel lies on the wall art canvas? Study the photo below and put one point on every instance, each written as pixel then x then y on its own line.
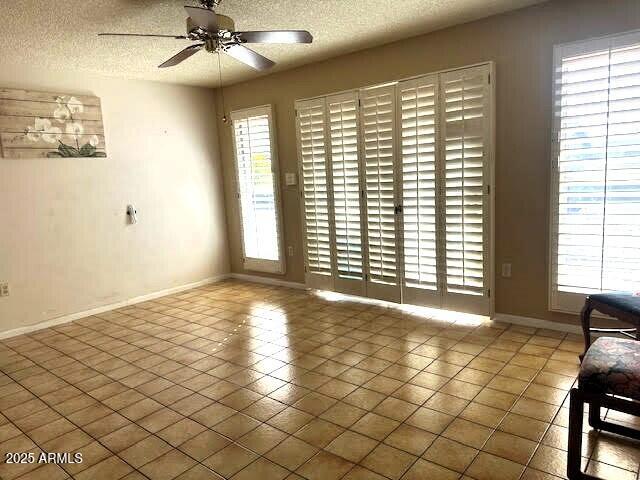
pixel 50 125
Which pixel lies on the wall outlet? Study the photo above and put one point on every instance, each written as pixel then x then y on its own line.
pixel 290 250
pixel 506 270
pixel 4 289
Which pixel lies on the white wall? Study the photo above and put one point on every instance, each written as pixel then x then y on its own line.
pixel 65 245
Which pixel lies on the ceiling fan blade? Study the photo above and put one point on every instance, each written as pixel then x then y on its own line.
pixel 179 37
pixel 245 55
pixel 275 36
pixel 182 55
pixel 203 17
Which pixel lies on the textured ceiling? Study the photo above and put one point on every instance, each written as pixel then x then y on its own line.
pixel 61 34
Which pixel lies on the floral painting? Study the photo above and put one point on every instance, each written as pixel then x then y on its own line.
pixel 50 125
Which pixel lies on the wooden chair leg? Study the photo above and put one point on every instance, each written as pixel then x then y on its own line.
pixel 595 420
pixel 576 412
pixel 585 318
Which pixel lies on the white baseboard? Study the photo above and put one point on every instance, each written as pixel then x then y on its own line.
pixel 106 308
pixel 537 323
pixel 267 281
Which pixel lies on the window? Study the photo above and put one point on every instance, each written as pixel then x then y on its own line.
pixel 395 190
pixel 257 183
pixel 595 229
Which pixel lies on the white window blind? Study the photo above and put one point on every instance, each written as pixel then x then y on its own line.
pixel 315 190
pixel 465 102
pixel 343 126
pixel 418 120
pixel 378 129
pixel 257 189
pixel 595 231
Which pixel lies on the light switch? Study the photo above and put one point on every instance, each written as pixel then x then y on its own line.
pixel 290 179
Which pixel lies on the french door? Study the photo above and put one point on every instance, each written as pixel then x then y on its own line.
pixel 395 190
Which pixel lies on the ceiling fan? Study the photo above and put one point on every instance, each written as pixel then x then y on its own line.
pixel 216 33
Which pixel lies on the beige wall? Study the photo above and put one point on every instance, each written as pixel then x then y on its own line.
pixel 520 43
pixel 65 245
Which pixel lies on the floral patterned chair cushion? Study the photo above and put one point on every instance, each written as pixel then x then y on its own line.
pixel 612 365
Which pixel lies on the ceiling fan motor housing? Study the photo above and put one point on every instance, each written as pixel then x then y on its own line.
pixel 224 24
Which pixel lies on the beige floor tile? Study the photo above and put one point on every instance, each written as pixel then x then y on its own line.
pixel 230 460
pixel 261 469
pixel 262 439
pixel 361 473
pixel 181 431
pixel 550 460
pixel 375 426
pixel 388 461
pixel 343 414
pixel 168 466
pixel 364 398
pixel 351 446
pixel 523 426
pixel 450 454
pixel 430 420
pixel 410 439
pixel 236 426
pixel 204 445
pixel 112 467
pixel 123 438
pixel 511 447
pixel 483 414
pixel 490 467
pixel 467 433
pixel 422 470
pixel 414 394
pixel 325 466
pixel 291 453
pixel 395 408
pixel 290 420
pixel 319 432
pixel 144 451
pixel 448 404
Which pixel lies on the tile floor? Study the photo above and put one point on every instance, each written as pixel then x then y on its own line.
pixel 245 381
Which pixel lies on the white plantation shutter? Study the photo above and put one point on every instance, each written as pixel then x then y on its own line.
pixel 465 122
pixel 417 101
pixel 342 111
pixel 257 189
pixel 377 113
pixel 398 174
pixel 315 187
pixel 595 231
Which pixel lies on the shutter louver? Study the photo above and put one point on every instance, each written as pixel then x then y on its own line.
pixel 464 102
pixel 313 157
pixel 257 189
pixel 343 126
pixel 417 103
pixel 596 229
pixel 378 129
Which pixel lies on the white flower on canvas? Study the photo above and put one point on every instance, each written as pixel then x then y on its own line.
pixel 42 129
pixel 75 106
pixel 63 112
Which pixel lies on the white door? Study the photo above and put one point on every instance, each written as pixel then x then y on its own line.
pixel 378 130
pixel 314 192
pixel 466 117
pixel 342 113
pixel 419 158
